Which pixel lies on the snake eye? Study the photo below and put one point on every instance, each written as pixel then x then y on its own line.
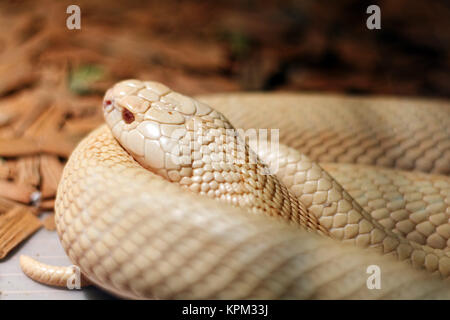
pixel 127 116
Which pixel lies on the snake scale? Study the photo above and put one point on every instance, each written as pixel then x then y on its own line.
pixel 162 202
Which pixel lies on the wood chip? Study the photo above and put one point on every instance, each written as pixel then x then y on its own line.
pixel 28 171
pixel 12 165
pixel 18 147
pixel 58 144
pixel 47 123
pixel 82 126
pixel 15 226
pixel 46 205
pixel 5 119
pixel 49 222
pixel 16 192
pixel 51 172
pixel 4 170
pixel 6 205
pixel 20 74
pixel 36 105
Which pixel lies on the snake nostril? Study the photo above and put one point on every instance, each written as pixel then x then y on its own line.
pixel 127 116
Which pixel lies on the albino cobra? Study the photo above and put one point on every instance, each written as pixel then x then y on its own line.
pixel 134 208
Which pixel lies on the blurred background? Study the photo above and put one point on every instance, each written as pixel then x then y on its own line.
pixel 211 46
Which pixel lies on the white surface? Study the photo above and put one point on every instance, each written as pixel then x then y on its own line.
pixel 43 246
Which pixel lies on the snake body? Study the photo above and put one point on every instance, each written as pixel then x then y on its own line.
pixel 160 204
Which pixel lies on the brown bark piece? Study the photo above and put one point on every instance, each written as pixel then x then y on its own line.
pixel 5 119
pixel 16 192
pixel 4 170
pixel 28 171
pixel 19 74
pixel 51 171
pixel 81 126
pixel 48 122
pixel 6 205
pixel 12 165
pixel 35 106
pixel 49 222
pixel 46 205
pixel 15 226
pixel 18 147
pixel 57 144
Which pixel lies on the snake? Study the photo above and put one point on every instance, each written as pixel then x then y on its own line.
pixel 168 200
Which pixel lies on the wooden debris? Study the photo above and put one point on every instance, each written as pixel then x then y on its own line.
pixel 57 144
pixel 5 119
pixel 4 170
pixel 15 226
pixel 47 123
pixel 16 192
pixel 46 205
pixel 18 147
pixel 18 73
pixel 28 171
pixel 81 126
pixel 12 166
pixel 32 108
pixel 51 171
pixel 6 205
pixel 49 222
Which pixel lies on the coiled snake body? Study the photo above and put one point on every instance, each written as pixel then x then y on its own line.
pixel 163 202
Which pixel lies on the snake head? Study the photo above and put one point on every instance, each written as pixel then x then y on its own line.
pixel 149 120
pixel 134 101
pixel 182 140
